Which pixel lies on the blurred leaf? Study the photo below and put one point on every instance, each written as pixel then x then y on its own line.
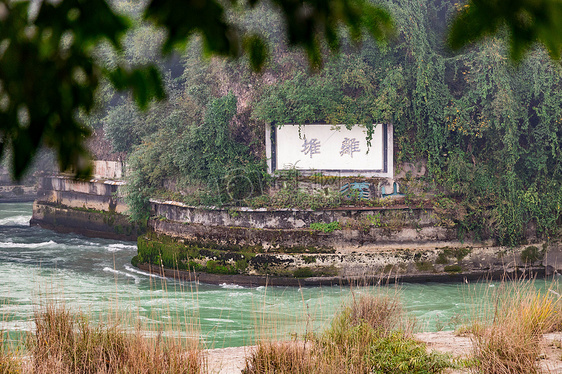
pixel 183 18
pixel 47 68
pixel 256 49
pixel 308 24
pixel 145 83
pixel 526 21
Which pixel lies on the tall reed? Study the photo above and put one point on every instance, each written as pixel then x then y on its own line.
pixel 368 336
pixel 507 334
pixel 10 362
pixel 63 342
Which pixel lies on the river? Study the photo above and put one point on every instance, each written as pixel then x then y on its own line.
pixel 95 276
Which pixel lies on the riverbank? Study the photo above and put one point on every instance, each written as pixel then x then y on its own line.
pixel 232 360
pixel 289 247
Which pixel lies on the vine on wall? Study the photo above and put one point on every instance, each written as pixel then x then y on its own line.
pixel 489 130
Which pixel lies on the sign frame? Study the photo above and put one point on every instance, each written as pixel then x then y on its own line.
pixel 387 170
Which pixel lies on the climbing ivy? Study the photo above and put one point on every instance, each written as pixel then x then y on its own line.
pixel 489 130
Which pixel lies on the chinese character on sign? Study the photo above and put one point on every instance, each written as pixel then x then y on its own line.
pixel 348 146
pixel 311 147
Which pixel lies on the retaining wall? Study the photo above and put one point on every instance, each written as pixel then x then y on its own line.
pixel 92 208
pixel 369 245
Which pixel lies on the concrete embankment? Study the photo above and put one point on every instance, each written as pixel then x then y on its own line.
pixel 17 193
pixel 92 208
pixel 287 247
pixel 339 246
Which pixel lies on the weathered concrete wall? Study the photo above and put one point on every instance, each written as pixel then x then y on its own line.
pixel 102 195
pixel 97 224
pixel 92 208
pixel 366 229
pixel 346 240
pixel 17 193
pixel 369 245
pixel 288 218
pixel 109 170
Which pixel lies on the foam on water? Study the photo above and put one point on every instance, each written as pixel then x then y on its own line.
pixel 137 271
pixel 119 247
pixel 231 286
pixel 110 270
pixel 21 220
pixel 219 320
pixel 50 243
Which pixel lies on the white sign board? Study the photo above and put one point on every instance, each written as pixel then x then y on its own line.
pixel 332 149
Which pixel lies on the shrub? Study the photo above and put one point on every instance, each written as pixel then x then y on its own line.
pixel 303 272
pixel 325 227
pixel 368 336
pixel 531 254
pixel 453 268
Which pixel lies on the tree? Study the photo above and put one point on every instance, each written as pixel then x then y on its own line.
pixel 49 73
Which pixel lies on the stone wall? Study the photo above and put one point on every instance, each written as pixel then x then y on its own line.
pixel 108 170
pixel 93 208
pixel 284 248
pixel 102 195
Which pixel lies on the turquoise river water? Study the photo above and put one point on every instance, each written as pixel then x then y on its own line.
pixel 95 276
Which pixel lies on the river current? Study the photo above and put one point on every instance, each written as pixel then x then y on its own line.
pixel 95 276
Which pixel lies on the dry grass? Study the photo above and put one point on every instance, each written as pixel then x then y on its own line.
pixel 382 313
pixel 10 363
pixel 365 337
pixel 67 343
pixel 507 336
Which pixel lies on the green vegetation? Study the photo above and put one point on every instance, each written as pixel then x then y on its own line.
pixel 165 251
pixel 456 268
pixel 325 227
pixel 488 131
pixel 201 158
pixel 304 272
pixel 489 135
pixel 446 254
pixel 424 266
pixel 531 254
pixel 368 336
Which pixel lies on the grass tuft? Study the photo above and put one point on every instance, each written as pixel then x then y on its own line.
pixel 368 336
pixel 506 338
pixel 66 343
pixel 10 363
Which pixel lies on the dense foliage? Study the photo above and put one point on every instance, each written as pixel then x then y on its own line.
pixel 49 70
pixel 488 130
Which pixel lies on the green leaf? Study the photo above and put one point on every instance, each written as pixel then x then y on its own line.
pixel 526 21
pixel 256 49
